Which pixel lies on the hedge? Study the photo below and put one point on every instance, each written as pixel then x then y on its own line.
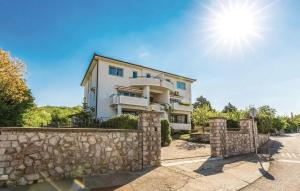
pixel 165 133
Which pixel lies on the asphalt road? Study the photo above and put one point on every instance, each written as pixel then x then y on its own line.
pixel 284 172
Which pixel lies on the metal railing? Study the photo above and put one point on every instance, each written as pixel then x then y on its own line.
pixel 153 77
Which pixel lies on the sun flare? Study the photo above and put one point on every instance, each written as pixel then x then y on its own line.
pixel 234 25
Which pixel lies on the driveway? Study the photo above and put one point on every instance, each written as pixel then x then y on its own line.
pixel 285 169
pixel 184 149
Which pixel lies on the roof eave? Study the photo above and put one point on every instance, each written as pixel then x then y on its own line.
pixel 105 57
pixel 88 68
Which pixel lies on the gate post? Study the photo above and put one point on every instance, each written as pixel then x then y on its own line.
pixel 149 124
pixel 247 126
pixel 218 130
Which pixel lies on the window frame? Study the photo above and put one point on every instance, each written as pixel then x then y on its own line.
pixel 115 71
pixel 181 85
pixel 134 74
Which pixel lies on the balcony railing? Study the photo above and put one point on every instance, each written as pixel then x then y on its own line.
pixel 181 107
pixel 151 81
pixel 128 100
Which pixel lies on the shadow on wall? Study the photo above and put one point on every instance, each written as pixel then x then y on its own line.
pixel 213 166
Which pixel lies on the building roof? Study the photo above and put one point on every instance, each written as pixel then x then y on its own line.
pixel 124 62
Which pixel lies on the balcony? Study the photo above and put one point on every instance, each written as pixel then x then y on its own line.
pixel 151 81
pixel 181 126
pixel 127 100
pixel 156 107
pixel 182 107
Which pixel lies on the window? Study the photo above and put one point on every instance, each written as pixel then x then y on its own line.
pixel 181 85
pixel 179 118
pixel 148 75
pixel 168 80
pixel 134 74
pixel 130 94
pixel 115 71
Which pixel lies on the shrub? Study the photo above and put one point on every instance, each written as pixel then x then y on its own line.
pixel 125 121
pixel 232 124
pixel 165 133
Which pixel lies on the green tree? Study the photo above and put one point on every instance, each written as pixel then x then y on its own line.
pixel 36 117
pixel 201 115
pixel 201 102
pixel 229 108
pixel 266 119
pixel 15 96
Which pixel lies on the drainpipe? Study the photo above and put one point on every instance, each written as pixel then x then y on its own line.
pixel 96 110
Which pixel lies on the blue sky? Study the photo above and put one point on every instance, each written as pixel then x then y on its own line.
pixel 56 40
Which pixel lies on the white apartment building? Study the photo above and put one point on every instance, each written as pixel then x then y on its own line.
pixel 113 87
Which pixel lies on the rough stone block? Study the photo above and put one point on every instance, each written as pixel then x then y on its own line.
pixel 22 139
pixel 5 144
pixel 31 177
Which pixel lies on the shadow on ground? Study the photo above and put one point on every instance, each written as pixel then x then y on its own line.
pixel 190 146
pixel 212 166
pixel 106 182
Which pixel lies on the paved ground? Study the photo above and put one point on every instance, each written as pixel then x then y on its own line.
pixel 199 173
pixel 285 169
pixel 184 149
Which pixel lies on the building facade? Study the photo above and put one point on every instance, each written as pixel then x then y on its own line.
pixel 113 87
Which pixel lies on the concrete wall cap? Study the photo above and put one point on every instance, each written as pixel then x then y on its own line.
pixel 57 129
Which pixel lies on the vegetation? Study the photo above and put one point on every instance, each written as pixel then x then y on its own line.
pixel 15 96
pixel 165 133
pixel 50 116
pixel 267 119
pixel 202 101
pixel 125 121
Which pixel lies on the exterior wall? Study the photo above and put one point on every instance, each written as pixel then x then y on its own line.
pixel 226 143
pixel 187 93
pixel 107 84
pixel 91 83
pixel 28 155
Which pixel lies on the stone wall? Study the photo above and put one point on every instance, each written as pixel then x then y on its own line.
pixel 262 139
pixel 29 155
pixel 226 143
pixel 237 143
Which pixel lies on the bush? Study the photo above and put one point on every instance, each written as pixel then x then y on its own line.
pixel 232 124
pixel 165 133
pixel 125 121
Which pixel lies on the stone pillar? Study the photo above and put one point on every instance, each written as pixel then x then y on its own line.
pixel 149 124
pixel 247 127
pixel 218 136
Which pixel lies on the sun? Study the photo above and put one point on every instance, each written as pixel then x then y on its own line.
pixel 234 25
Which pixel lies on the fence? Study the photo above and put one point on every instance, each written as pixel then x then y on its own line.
pixel 28 155
pixel 225 143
